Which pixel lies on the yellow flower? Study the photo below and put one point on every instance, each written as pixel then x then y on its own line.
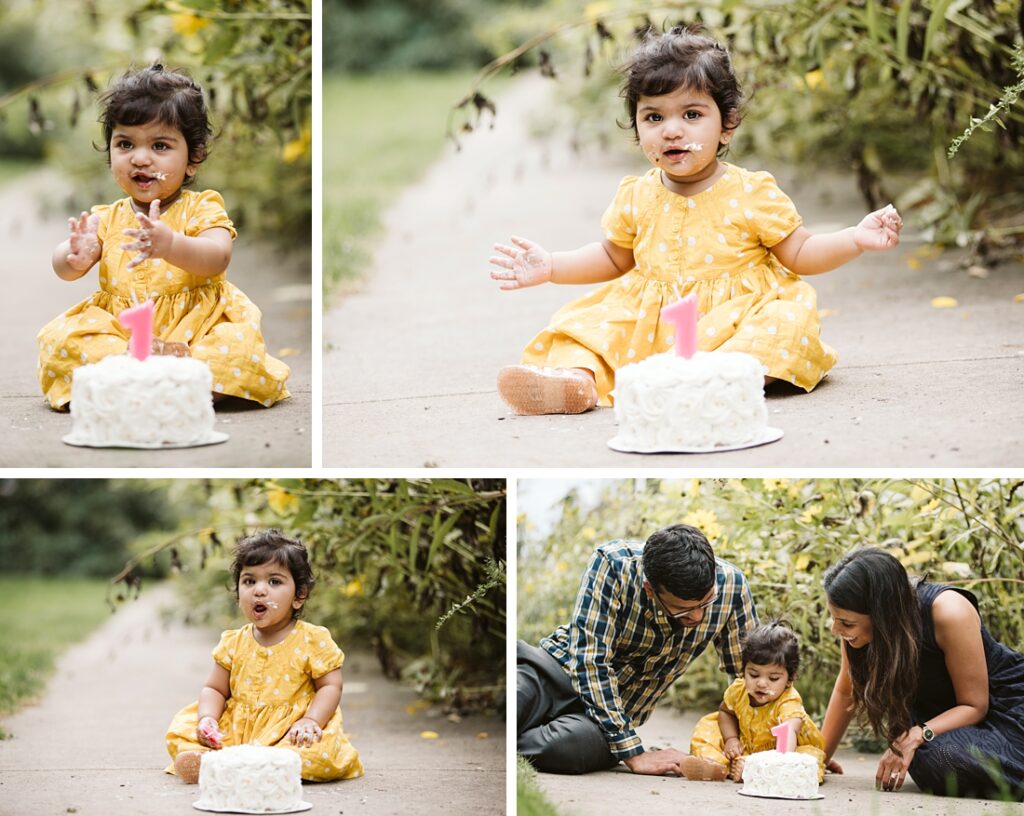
pixel 188 24
pixel 282 502
pixel 528 588
pixel 773 484
pixel 809 513
pixel 814 79
pixel 930 506
pixel 561 566
pixel 353 589
pixel 299 147
pixel 694 490
pixel 594 10
pixel 589 533
pixel 706 521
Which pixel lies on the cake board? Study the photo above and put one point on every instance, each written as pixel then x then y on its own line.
pixel 301 807
pixel 212 438
pixel 767 436
pixel 791 798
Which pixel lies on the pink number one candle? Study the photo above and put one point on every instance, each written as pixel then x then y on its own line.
pixel 683 313
pixel 139 320
pixel 785 738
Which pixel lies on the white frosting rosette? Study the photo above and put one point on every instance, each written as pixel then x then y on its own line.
pixel 775 775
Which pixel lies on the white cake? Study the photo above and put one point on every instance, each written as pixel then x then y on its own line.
pixel 162 401
pixel 783 776
pixel 668 402
pixel 251 779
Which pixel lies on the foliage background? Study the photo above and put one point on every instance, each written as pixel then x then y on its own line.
pixel 784 534
pixel 252 57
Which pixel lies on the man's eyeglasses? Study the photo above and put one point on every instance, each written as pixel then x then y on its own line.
pixel 686 612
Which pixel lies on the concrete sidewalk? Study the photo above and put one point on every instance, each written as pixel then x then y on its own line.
pixel 31 225
pixel 410 361
pixel 850 794
pixel 95 744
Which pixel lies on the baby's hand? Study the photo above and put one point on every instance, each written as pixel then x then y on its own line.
pixel 83 245
pixel 529 265
pixel 733 748
pixel 154 238
pixel 208 733
pixel 305 732
pixel 879 230
pixel 736 770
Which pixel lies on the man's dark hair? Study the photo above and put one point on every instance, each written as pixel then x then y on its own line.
pixel 679 560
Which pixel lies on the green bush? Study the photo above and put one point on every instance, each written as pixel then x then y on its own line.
pixel 784 534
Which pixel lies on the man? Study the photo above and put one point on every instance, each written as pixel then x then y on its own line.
pixel 643 613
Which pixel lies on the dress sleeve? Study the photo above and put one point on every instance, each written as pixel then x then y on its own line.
pixel 224 653
pixel 209 212
pixel 619 220
pixel 324 654
pixel 591 635
pixel 791 705
pixel 733 695
pixel 771 213
pixel 103 211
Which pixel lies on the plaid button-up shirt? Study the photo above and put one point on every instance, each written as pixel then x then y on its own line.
pixel 622 652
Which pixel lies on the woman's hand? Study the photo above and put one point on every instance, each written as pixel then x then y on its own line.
pixel 305 732
pixel 83 245
pixel 208 733
pixel 879 230
pixel 153 239
pixel 526 264
pixel 892 768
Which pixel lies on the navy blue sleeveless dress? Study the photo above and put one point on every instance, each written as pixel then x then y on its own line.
pixel 984 760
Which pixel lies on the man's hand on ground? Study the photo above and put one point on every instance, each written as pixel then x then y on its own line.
pixel 656 763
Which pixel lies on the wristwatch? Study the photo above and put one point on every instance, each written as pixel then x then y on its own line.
pixel 926 733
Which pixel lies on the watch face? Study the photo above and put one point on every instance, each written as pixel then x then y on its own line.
pixel 927 733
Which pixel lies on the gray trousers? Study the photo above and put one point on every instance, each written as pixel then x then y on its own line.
pixel 553 731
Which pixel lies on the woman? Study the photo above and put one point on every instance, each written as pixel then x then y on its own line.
pixel 918 662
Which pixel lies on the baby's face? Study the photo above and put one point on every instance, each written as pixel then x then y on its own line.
pixel 764 683
pixel 266 594
pixel 680 132
pixel 149 161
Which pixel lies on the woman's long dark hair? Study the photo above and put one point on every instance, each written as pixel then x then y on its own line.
pixel 870 581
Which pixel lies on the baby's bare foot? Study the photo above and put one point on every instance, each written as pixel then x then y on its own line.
pixel 702 770
pixel 186 765
pixel 170 349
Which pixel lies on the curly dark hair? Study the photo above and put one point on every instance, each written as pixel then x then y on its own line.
pixel 682 57
pixel 771 643
pixel 870 581
pixel 160 95
pixel 680 560
pixel 273 545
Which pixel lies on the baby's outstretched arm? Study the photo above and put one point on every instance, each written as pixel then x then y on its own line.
pixel 77 254
pixel 325 702
pixel 204 255
pixel 807 254
pixel 212 700
pixel 529 264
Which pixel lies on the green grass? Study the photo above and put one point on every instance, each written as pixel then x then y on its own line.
pixel 42 617
pixel 529 799
pixel 381 133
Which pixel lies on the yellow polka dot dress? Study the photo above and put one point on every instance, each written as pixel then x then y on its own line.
pixel 271 688
pixel 714 244
pixel 756 724
pixel 214 318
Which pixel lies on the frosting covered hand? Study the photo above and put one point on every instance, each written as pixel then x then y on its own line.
pixel 83 245
pixel 526 264
pixel 153 239
pixel 208 733
pixel 305 732
pixel 879 230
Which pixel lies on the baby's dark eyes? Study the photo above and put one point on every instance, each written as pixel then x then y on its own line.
pixel 124 144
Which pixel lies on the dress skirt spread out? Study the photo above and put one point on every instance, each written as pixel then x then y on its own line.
pixel 714 244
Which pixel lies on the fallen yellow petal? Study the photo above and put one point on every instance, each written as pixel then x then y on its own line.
pixel 482 735
pixel 429 734
pixel 827 312
pixel 944 303
pixel 1019 298
pixel 287 352
pixel 913 262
